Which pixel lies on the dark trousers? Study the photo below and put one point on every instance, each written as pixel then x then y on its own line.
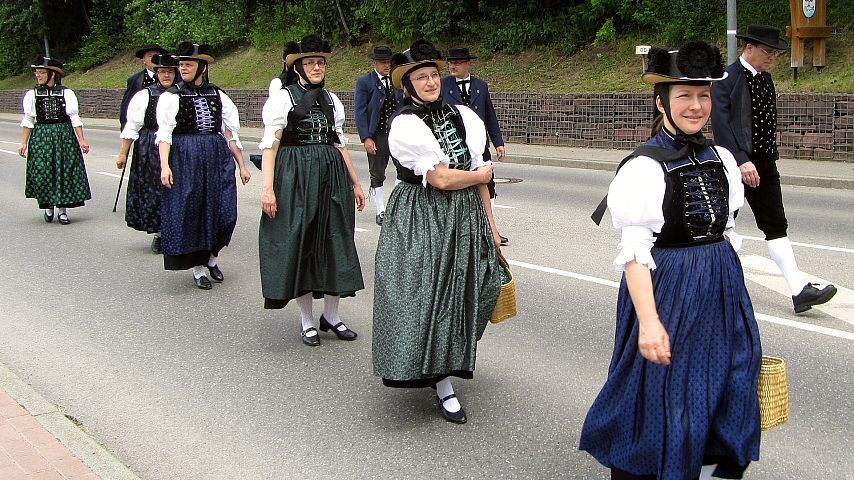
pixel 491 185
pixel 766 200
pixel 378 162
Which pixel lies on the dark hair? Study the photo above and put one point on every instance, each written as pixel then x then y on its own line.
pixel 659 90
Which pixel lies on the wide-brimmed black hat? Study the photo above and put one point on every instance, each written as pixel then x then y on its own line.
pixel 47 63
pixel 148 48
pixel 309 46
pixel 696 61
pixel 460 54
pixel 421 52
pixel 194 51
pixel 164 61
pixel 381 52
pixel 766 35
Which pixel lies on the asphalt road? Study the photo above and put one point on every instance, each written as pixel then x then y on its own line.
pixel 181 383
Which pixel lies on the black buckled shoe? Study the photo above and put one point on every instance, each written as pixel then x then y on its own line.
pixel 313 340
pixel 380 218
pixel 345 334
pixel 504 241
pixel 155 245
pixel 810 296
pixel 203 283
pixel 454 417
pixel 216 273
pixel 48 218
pixel 63 218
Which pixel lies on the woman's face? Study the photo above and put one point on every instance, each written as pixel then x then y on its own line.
pixel 166 76
pixel 426 81
pixel 41 75
pixel 188 69
pixel 690 107
pixel 314 68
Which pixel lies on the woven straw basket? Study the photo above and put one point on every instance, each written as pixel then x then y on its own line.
pixel 773 393
pixel 505 307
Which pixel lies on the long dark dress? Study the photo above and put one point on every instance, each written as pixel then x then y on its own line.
pixel 702 409
pixel 199 212
pixel 437 275
pixel 142 210
pixel 56 174
pixel 310 245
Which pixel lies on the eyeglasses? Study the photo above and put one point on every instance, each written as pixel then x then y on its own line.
pixel 771 53
pixel 423 78
pixel 310 64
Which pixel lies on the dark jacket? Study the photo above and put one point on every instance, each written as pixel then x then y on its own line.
pixel 479 101
pixel 368 101
pixel 135 84
pixel 732 113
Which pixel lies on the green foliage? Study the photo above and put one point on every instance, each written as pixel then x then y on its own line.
pixel 106 37
pixel 219 23
pixel 606 33
pixel 18 41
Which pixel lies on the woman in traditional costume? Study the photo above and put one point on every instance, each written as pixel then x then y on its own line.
pixel 308 197
pixel 437 273
pixel 197 126
pixel 680 401
pixel 52 140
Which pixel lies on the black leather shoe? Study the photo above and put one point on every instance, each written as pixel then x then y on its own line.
pixel 203 283
pixel 216 273
pixel 504 241
pixel 48 218
pixel 63 218
pixel 810 296
pixel 346 334
pixel 313 340
pixel 380 218
pixel 455 417
pixel 155 245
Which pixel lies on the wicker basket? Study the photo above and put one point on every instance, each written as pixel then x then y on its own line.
pixel 773 393
pixel 505 307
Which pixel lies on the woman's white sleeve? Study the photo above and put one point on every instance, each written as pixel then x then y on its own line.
pixel 475 136
pixel 275 85
pixel 136 114
pixel 230 118
pixel 635 200
pixel 29 118
pixel 72 108
pixel 275 116
pixel 412 143
pixel 339 120
pixel 736 195
pixel 167 110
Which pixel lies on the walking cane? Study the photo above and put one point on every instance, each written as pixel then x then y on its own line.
pixel 119 191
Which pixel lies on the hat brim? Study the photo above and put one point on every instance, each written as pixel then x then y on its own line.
pixel 290 59
pixel 379 57
pixel 452 59
pixel 653 78
pixel 139 53
pixel 201 56
pixel 780 44
pixel 401 70
pixel 48 67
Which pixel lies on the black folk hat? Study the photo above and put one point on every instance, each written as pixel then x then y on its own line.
pixel 695 62
pixel 164 61
pixel 460 54
pixel 421 52
pixel 309 46
pixel 381 52
pixel 766 35
pixel 47 63
pixel 194 51
pixel 140 52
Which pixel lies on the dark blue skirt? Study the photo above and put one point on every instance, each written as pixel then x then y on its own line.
pixel 142 211
pixel 701 409
pixel 199 212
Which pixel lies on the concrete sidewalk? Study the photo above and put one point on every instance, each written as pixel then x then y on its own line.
pixel 806 173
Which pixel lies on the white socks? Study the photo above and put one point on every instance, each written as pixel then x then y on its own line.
pixel 782 254
pixel 212 261
pixel 306 316
pixel 330 311
pixel 378 198
pixel 443 389
pixel 707 471
pixel 198 271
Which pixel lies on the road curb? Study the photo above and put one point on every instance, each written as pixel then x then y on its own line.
pixel 78 442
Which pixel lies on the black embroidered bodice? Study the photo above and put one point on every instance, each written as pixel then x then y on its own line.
pixel 150 121
pixel 316 127
pixel 199 111
pixel 447 127
pixel 50 105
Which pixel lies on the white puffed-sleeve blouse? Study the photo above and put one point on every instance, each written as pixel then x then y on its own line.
pixel 72 108
pixel 167 110
pixel 275 116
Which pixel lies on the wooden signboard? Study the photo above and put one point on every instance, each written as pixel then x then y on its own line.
pixel 809 22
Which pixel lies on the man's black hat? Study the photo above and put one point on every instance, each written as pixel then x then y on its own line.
pixel 148 48
pixel 381 52
pixel 766 35
pixel 460 54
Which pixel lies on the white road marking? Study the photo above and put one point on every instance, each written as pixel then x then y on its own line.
pixel 360 229
pixel 114 175
pixel 7 151
pixel 806 326
pixel 503 206
pixel 808 245
pixel 564 273
pixel 10 143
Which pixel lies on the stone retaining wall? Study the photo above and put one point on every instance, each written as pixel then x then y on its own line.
pixel 810 126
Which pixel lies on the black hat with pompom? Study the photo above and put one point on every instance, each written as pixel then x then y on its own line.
pixel 695 62
pixel 309 46
pixel 421 52
pixel 194 51
pixel 47 63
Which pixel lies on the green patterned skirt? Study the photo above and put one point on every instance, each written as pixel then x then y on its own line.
pixel 56 175
pixel 437 281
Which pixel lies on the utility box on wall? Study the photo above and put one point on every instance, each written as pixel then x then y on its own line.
pixel 808 22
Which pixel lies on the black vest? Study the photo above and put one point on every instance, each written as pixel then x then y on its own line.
pixel 50 105
pixel 199 111
pixel 318 124
pixel 150 121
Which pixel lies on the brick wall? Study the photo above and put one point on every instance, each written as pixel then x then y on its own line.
pixel 810 126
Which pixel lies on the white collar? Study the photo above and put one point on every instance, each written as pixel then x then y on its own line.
pixel 380 76
pixel 748 66
pixel 467 79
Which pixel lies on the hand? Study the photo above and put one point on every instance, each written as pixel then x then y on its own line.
pixel 749 174
pixel 84 146
pixel 360 197
pixel 499 152
pixel 653 342
pixel 268 203
pixel 166 177
pixel 497 239
pixel 22 150
pixel 121 160
pixel 486 173
pixel 370 146
pixel 245 175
